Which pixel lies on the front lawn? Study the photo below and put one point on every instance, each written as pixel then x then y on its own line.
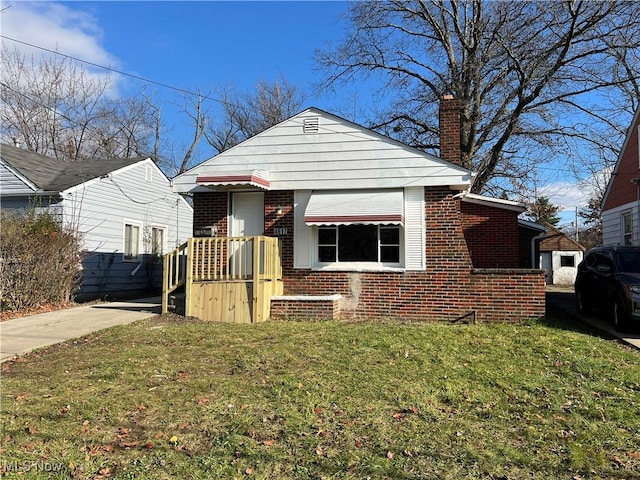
pixel 167 399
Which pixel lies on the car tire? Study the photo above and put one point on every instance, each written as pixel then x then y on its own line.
pixel 581 306
pixel 618 314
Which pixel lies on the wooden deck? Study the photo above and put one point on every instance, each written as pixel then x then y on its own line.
pixel 227 279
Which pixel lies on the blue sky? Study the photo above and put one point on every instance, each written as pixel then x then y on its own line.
pixel 206 45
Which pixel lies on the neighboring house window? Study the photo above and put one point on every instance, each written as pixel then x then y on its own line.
pixel 359 243
pixel 627 228
pixel 567 261
pixel 131 241
pixel 157 241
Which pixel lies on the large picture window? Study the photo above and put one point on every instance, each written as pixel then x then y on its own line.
pixel 359 243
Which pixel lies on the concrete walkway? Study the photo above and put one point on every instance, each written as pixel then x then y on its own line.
pixel 21 335
pixel 563 299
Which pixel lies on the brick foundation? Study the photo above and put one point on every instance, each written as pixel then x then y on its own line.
pixel 301 307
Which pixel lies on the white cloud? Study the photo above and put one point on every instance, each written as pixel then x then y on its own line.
pixel 566 195
pixel 56 27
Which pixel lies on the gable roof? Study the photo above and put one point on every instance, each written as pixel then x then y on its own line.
pixel 555 240
pixel 49 175
pixel 317 150
pixel 625 170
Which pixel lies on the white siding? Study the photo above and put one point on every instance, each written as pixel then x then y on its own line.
pixel 341 155
pixel 414 228
pixel 11 184
pixel 612 231
pixel 302 234
pixel 99 209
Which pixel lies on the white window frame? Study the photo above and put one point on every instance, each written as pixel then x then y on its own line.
pixel 163 245
pixel 125 247
pixel 358 266
pixel 626 235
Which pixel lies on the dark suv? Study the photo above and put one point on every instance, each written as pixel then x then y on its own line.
pixel 608 280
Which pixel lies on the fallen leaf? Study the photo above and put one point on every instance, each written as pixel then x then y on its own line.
pixel 389 454
pixel 148 445
pixel 202 401
pixel 415 409
pixel 31 430
pixel 249 471
pixel 24 396
pixel 128 444
pixel 142 408
pixel 398 415
pixel 634 454
pixel 173 439
pixel 269 443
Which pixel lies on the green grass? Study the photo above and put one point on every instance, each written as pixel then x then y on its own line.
pixel 325 400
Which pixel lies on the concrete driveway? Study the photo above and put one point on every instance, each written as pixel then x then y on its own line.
pixel 563 298
pixel 21 335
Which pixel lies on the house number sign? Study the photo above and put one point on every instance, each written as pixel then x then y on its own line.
pixel 280 231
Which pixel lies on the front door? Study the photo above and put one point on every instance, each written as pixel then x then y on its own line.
pixel 247 220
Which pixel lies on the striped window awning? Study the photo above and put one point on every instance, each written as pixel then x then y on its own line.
pixel 368 207
pixel 254 178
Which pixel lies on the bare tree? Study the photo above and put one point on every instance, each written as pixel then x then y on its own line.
pixel 58 108
pixel 247 114
pixel 530 75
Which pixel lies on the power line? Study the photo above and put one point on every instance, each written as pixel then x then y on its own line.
pixel 120 72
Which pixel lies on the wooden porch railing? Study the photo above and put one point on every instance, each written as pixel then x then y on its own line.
pixel 228 271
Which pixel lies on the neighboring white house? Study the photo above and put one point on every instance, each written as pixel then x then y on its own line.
pixel 620 206
pixel 559 257
pixel 124 210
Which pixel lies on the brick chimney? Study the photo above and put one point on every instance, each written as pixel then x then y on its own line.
pixel 450 129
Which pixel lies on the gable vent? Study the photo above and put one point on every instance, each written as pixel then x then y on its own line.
pixel 310 125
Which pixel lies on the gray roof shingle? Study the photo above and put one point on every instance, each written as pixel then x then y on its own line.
pixel 52 175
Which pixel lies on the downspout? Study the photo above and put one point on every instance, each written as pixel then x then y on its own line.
pixel 540 236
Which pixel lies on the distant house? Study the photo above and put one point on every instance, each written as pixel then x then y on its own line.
pixel 375 227
pixel 124 210
pixel 559 256
pixel 620 206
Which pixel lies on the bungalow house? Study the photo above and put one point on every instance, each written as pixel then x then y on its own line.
pixel 124 211
pixel 367 226
pixel 620 205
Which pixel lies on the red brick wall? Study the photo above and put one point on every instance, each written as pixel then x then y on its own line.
pixel 275 225
pixel 447 290
pixel 211 208
pixel 492 236
pixel 282 308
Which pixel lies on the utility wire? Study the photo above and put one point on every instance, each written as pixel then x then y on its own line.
pixel 120 72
